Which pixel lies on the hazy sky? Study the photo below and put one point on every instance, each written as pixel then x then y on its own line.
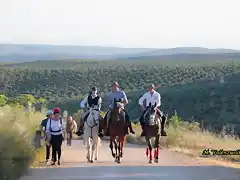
pixel 124 23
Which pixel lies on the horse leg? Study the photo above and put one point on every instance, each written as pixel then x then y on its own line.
pixel 92 150
pixel 116 150
pixel 119 152
pixel 150 150
pixel 111 147
pixel 96 148
pixel 88 151
pixel 156 153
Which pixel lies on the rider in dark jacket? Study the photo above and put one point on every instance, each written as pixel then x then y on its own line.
pixel 92 99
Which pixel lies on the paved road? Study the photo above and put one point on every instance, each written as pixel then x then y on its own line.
pixel 172 166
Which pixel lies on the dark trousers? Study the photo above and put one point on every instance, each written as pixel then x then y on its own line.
pixel 69 138
pixel 48 152
pixel 56 141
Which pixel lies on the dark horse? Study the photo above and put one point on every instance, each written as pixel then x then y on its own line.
pixel 151 128
pixel 117 130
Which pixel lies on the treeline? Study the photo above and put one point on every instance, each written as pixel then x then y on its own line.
pixel 193 89
pixel 26 101
pixel 68 83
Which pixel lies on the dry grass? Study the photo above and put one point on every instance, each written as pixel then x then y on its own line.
pixel 16 132
pixel 188 138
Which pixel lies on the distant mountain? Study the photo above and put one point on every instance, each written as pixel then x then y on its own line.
pixel 178 51
pixel 21 52
pixel 185 57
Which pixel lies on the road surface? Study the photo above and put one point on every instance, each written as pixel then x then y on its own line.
pixel 171 166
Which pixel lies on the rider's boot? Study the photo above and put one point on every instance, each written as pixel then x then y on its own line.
pixel 141 120
pixel 80 129
pixel 107 120
pixel 130 128
pixel 163 132
pixel 143 133
pixel 107 132
pixel 129 124
pixel 100 132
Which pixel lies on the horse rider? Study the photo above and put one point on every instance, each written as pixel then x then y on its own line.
pixel 117 94
pixel 92 100
pixel 43 125
pixel 54 131
pixel 153 97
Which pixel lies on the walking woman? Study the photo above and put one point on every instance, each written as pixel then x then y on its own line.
pixel 55 134
pixel 43 128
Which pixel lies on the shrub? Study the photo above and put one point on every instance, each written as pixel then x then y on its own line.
pixel 16 132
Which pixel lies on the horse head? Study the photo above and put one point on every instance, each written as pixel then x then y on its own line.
pixel 151 114
pixel 117 105
pixel 117 109
pixel 94 114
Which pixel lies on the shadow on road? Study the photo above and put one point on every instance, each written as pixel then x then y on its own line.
pixel 137 172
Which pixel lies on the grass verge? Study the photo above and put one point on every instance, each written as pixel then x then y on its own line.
pixel 188 138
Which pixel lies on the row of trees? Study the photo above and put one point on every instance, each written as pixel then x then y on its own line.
pixel 58 84
pixel 26 101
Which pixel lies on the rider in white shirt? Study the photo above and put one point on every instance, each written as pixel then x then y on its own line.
pixel 152 97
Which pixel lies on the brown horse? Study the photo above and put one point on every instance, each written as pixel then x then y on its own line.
pixel 151 128
pixel 117 130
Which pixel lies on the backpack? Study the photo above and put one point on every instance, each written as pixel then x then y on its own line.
pixel 61 120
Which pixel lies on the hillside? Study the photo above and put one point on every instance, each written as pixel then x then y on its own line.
pixel 191 88
pixel 33 52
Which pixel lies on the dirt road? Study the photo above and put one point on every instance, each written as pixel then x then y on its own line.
pixel 171 166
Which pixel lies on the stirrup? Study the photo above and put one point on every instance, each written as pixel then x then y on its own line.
pixel 79 132
pixel 107 133
pixel 163 133
pixel 143 133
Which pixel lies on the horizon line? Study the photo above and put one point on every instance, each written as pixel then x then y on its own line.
pixel 106 46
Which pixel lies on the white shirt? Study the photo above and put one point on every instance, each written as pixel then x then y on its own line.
pixel 154 98
pixel 85 100
pixel 55 126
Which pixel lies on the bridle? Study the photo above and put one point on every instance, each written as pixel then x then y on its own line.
pixel 94 120
pixel 149 113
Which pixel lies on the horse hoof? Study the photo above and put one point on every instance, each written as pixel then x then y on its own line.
pixel 150 161
pixel 114 155
pixel 96 158
pixel 119 162
pixel 156 160
pixel 116 160
pixel 91 161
